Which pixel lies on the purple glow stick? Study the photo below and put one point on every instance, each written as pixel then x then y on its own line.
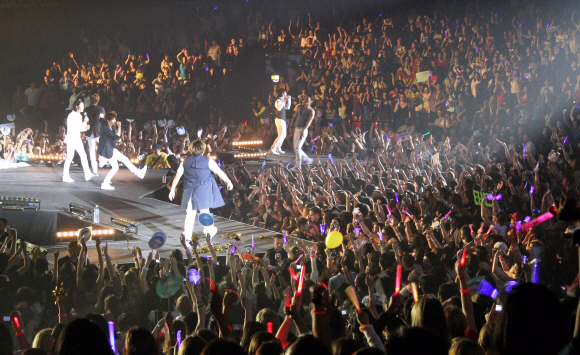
pixel 112 336
pixel 397 197
pixel 380 234
pixel 490 197
pixel 565 139
pixel 312 149
pixel 178 339
pixel 234 247
pixel 407 213
pixel 331 125
pixel 356 230
pixel 532 189
pixel 284 235
pixel 322 228
pixel 499 197
pixel 330 158
pixel 527 219
pixel 252 242
pixel 448 213
pixel 287 165
pixel 518 226
pixel 219 163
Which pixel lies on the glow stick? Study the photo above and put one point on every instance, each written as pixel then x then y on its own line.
pixel 388 209
pixel 448 213
pixel 398 280
pixel 407 213
pixel 490 197
pixel 293 274
pixel 253 242
pixel 287 165
pixel 178 339
pixel 351 294
pixel 471 228
pixel 415 292
pixel 426 134
pixel 532 189
pixel 330 158
pixel 312 149
pixel 112 336
pixel 234 247
pixel 397 197
pixel 524 146
pixel 462 261
pixel 486 289
pixel 301 282
pixel 565 139
pixel 518 226
pixel 288 298
pixel 322 228
pixel 499 197
pixel 534 222
pixel 270 327
pixel 298 260
pixel 380 234
pixel 284 236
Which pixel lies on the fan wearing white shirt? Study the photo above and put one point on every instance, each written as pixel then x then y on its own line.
pixel 75 126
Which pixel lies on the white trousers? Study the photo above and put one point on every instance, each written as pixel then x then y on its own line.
pixel 300 135
pixel 71 147
pixel 190 219
pixel 114 161
pixel 93 152
pixel 281 128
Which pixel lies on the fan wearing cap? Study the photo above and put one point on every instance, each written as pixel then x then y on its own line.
pixel 157 159
pixel 200 190
pixel 107 152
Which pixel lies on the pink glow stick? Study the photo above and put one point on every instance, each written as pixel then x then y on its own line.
pixel 534 222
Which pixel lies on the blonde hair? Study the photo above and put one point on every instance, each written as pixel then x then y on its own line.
pixel 43 340
pixel 196 148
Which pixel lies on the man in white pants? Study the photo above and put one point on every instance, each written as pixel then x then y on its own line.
pixel 200 190
pixel 301 121
pixel 75 125
pixel 107 152
pixel 95 114
pixel 282 104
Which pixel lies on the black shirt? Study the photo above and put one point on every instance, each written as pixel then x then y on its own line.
pixel 271 253
pixel 94 114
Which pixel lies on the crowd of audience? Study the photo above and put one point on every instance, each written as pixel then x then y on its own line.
pixel 419 176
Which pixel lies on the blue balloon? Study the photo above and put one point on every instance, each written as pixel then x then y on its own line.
pixel 157 240
pixel 206 219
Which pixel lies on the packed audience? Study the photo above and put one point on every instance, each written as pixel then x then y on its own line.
pixel 435 175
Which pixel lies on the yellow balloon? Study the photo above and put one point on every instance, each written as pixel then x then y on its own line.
pixel 333 239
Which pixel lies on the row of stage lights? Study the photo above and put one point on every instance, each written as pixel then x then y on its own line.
pixel 247 143
pixel 250 155
pixel 47 157
pixel 76 233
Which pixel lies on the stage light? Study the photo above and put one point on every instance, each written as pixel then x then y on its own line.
pixel 129 225
pixel 75 234
pixel 249 155
pixel 134 161
pixel 48 158
pixel 243 143
pixel 19 203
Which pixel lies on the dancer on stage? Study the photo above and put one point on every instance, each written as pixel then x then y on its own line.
pixel 200 190
pixel 75 125
pixel 301 121
pixel 107 152
pixel 95 114
pixel 282 104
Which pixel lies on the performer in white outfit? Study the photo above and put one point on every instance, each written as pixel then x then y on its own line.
pixel 200 190
pixel 282 104
pixel 108 153
pixel 75 126
pixel 302 120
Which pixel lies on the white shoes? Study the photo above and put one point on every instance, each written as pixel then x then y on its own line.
pixel 90 176
pixel 275 152
pixel 211 230
pixel 105 186
pixel 67 179
pixel 309 161
pixel 141 173
pixel 281 151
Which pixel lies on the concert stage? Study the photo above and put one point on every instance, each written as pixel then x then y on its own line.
pixel 132 199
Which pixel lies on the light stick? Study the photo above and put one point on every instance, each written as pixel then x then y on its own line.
pixel 534 222
pixel 270 327
pixel 234 247
pixel 398 280
pixel 293 274
pixel 415 292
pixel 532 189
pixel 330 158
pixel 112 336
pixel 462 261
pixel 397 197
pixel 284 236
pixel 565 139
pixel 253 246
pixel 380 234
pixel 178 339
pixel 351 294
pixel 388 209
pixel 448 213
pixel 407 213
pixel 301 282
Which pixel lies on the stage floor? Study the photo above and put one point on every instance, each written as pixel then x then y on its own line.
pixel 128 200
